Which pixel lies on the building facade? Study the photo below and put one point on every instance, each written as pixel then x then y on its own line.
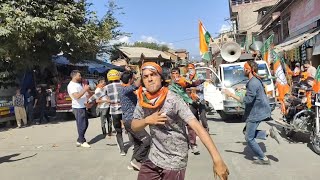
pixel 296 26
pixel 244 15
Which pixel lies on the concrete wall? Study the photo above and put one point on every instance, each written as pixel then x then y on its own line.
pixel 247 18
pixel 183 55
pixel 303 16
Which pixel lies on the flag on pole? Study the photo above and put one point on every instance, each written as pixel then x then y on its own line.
pixel 316 86
pixel 265 49
pixel 281 80
pixel 205 39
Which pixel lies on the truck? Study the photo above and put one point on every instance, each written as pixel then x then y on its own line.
pixel 230 75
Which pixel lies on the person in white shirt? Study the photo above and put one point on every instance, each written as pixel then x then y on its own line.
pixel 104 107
pixel 78 93
pixel 310 69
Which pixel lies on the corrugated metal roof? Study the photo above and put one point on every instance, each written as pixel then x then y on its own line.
pixel 295 42
pixel 137 52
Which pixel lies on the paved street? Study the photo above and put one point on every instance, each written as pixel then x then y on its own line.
pixel 48 152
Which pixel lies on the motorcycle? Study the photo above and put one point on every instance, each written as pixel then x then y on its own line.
pixel 303 114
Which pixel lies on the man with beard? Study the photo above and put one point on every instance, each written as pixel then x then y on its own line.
pixel 167 114
pixel 257 109
pixel 78 93
pixel 128 101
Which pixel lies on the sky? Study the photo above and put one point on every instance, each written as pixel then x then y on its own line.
pixel 170 22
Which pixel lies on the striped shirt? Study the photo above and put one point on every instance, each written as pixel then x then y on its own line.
pixel 112 90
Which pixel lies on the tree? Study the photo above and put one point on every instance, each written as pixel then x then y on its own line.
pixel 33 31
pixel 150 45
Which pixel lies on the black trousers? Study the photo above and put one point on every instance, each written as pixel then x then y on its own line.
pixel 43 113
pixel 117 126
pixel 141 142
pixel 199 111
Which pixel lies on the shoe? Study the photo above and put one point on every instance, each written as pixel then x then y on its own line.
pixel 274 135
pixel 262 161
pixel 195 150
pixel 122 153
pixel 135 164
pixel 85 145
pixel 37 123
pixel 78 144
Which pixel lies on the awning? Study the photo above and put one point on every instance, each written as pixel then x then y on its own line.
pixel 94 65
pixel 295 42
pixel 316 46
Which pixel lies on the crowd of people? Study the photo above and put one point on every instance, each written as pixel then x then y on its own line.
pixel 42 103
pixel 133 102
pixel 175 113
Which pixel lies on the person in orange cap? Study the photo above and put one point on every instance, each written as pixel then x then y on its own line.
pixel 198 107
pixel 166 114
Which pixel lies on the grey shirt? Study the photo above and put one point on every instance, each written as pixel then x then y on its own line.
pixel 169 147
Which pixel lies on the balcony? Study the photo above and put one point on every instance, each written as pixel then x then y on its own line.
pixel 239 2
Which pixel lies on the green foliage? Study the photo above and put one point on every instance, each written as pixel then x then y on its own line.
pixel 32 31
pixel 150 45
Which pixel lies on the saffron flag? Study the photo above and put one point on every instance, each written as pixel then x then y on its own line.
pixel 281 80
pixel 205 39
pixel 316 86
pixel 266 48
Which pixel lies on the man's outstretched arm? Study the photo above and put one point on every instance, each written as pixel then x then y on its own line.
pixel 220 169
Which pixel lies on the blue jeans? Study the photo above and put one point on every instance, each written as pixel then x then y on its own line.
pixel 251 134
pixel 82 123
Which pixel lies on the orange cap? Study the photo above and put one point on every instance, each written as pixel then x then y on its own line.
pixel 151 66
pixel 247 66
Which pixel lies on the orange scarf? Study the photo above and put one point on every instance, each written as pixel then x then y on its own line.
pixel 145 97
pixel 182 82
pixel 125 85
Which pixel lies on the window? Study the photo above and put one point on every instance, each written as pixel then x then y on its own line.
pixel 235 74
pixel 285 26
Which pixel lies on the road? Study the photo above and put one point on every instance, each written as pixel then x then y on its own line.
pixel 48 152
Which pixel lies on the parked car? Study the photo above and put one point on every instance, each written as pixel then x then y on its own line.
pixel 63 100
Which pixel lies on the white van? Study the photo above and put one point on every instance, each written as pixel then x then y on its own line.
pixel 231 76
